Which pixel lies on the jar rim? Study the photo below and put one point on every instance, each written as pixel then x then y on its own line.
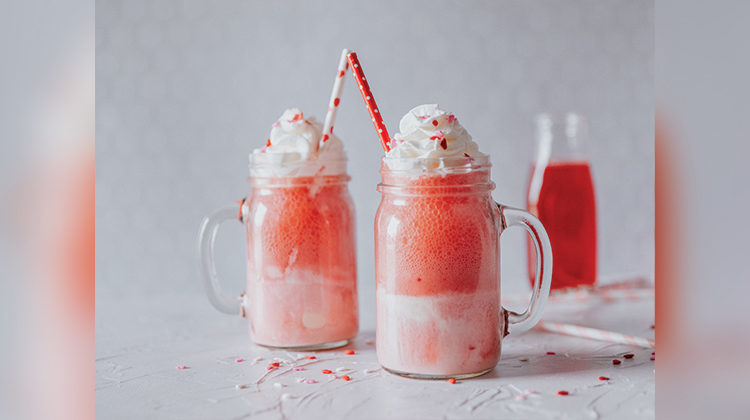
pixel 434 190
pixel 297 181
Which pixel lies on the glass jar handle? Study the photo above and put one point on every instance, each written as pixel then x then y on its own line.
pixel 232 305
pixel 520 322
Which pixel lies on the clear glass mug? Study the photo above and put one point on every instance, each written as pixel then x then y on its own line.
pixel 301 262
pixel 437 259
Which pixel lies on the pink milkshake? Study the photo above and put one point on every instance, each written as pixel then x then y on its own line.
pixel 299 218
pixel 437 234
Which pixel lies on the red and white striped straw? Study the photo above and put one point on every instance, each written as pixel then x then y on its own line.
pixel 596 334
pixel 333 103
pixel 372 107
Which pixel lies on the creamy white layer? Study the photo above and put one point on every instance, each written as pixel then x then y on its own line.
pixel 430 138
pixel 294 149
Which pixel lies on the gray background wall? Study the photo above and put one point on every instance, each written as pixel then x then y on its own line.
pixel 185 89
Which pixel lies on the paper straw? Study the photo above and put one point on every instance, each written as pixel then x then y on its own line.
pixel 596 334
pixel 372 107
pixel 333 103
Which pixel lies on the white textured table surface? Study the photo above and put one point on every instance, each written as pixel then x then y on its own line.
pixel 140 343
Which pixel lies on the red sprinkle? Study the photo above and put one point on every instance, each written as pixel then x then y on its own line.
pixel 311 357
pixel 419 279
pixel 349 352
pixel 240 360
pixel 551 353
pixel 444 144
pixel 181 367
pixel 268 143
pixel 331 130
pixel 435 123
pixel 562 392
pixel 628 356
pixel 653 353
pixel 325 137
pixel 274 364
pixel 341 73
pixel 471 347
pixel 336 102
pixel 326 371
pixel 603 378
pixel 452 380
pixel 616 362
pixel 653 327
pixel 652 358
pixel 346 378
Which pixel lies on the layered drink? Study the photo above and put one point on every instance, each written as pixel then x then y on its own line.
pixel 299 217
pixel 437 252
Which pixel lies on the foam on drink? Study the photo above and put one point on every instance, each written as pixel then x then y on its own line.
pixel 294 149
pixel 430 138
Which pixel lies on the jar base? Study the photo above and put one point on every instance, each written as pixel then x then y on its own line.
pixel 443 377
pixel 311 347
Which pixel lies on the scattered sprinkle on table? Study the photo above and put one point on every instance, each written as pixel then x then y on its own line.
pixel 452 380
pixel 311 357
pixel 346 378
pixel 181 367
pixel 616 362
pixel 326 371
pixel 239 360
pixel 652 358
pixel 350 352
pixel 274 364
pixel 299 369
pixel 603 378
pixel 551 353
pixel 562 392
pixel 240 386
pixel 629 355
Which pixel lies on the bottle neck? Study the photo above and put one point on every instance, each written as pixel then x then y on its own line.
pixel 560 139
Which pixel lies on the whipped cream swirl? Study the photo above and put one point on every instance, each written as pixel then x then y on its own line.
pixel 430 138
pixel 294 149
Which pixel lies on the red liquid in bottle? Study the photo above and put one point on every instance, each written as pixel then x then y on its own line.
pixel 566 207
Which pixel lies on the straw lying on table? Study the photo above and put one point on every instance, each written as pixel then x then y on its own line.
pixel 596 334
pixel 372 107
pixel 333 103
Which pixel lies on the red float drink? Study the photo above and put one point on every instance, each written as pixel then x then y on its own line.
pixel 437 234
pixel 301 263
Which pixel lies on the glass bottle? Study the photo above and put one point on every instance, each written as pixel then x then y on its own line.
pixel 561 196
